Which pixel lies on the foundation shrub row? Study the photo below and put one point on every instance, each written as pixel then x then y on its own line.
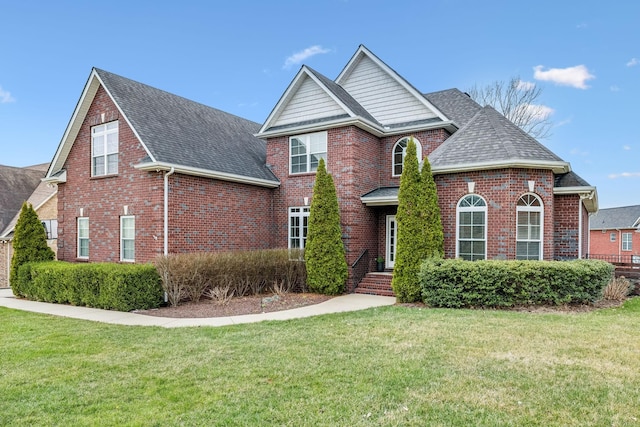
pixel 456 283
pixel 122 287
pixel 223 275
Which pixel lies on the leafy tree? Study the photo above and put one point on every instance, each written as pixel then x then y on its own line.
pixel 324 253
pixel 410 248
pixel 29 242
pixel 518 101
pixel 431 222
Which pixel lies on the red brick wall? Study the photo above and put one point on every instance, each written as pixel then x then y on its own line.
pixel 601 243
pixel 501 189
pixel 212 215
pixel 568 209
pixel 205 214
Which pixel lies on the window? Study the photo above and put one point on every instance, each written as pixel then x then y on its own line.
pixel 626 241
pixel 83 237
pixel 472 228
pixel 298 222
pixel 305 152
pixel 612 237
pixel 127 238
pixel 400 150
pixel 51 228
pixel 104 149
pixel 529 227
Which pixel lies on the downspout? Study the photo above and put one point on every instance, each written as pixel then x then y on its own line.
pixel 166 211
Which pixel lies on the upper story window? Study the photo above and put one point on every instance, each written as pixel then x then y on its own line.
pixel 305 152
pixel 529 227
pixel 104 149
pixel 627 241
pixel 400 150
pixel 472 228
pixel 51 228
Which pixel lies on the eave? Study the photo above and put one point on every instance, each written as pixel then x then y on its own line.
pixel 588 195
pixel 223 176
pixel 555 166
pixel 373 129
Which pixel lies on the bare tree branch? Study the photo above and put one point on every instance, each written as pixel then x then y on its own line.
pixel 519 102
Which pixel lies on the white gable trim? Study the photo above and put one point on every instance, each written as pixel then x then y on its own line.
pixel 73 128
pixel 363 51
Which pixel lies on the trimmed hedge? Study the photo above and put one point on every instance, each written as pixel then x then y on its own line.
pixel 457 283
pixel 121 287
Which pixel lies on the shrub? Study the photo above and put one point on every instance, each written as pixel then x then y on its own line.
pixel 228 274
pixel 122 287
pixel 458 283
pixel 29 244
pixel 324 252
pixel 617 290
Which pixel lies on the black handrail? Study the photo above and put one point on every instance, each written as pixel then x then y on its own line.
pixel 359 268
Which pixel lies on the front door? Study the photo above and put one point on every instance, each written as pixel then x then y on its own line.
pixel 392 240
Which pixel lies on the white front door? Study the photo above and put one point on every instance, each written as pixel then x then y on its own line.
pixel 392 237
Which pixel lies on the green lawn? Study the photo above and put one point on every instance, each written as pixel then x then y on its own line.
pixel 385 366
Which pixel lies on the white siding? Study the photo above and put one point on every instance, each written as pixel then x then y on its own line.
pixel 383 96
pixel 309 102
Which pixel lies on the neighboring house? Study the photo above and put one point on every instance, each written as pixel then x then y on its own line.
pixel 18 185
pixel 615 234
pixel 141 172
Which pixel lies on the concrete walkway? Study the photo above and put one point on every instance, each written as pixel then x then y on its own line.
pixel 349 302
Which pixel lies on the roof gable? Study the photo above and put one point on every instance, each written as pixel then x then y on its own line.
pixel 383 92
pixel 175 131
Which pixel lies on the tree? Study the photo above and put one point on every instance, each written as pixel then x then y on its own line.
pixel 29 241
pixel 432 223
pixel 410 247
pixel 519 102
pixel 324 252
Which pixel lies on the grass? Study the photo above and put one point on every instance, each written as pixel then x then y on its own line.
pixel 385 366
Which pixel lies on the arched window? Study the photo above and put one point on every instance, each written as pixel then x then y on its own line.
pixel 529 221
pixel 472 228
pixel 400 150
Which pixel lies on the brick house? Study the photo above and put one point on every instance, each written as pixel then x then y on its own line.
pixel 141 172
pixel 615 234
pixel 19 185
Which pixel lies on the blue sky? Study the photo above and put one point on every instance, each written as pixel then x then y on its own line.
pixel 240 56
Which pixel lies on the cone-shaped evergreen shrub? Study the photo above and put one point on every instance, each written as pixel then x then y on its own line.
pixel 410 229
pixel 29 243
pixel 433 239
pixel 324 253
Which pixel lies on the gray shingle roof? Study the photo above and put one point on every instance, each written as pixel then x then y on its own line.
pixel 182 132
pixel 16 185
pixel 456 105
pixel 569 179
pixel 615 218
pixel 488 137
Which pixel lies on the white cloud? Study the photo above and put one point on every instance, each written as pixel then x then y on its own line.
pixel 522 85
pixel 578 152
pixel 5 97
pixel 570 76
pixel 633 62
pixel 582 25
pixel 298 57
pixel 535 111
pixel 614 88
pixel 626 147
pixel 624 175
